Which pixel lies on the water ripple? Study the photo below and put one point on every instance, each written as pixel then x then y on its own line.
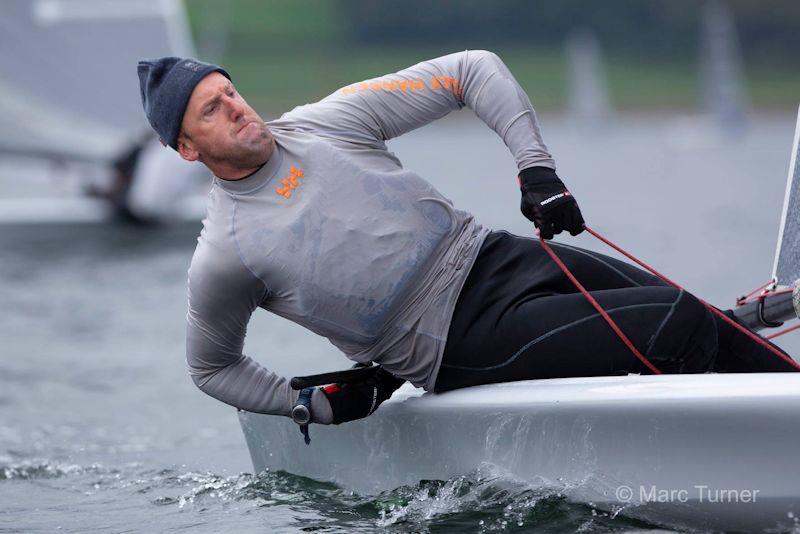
pixel 482 501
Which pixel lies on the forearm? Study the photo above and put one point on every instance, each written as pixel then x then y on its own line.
pixel 497 99
pixel 246 385
pixel 214 343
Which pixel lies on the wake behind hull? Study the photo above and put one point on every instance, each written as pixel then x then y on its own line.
pixel 678 442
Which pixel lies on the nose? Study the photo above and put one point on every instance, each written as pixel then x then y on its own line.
pixel 235 108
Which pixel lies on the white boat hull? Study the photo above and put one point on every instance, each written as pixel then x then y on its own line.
pixel 688 447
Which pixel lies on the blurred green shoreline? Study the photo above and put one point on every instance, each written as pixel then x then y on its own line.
pixel 287 79
pixel 282 54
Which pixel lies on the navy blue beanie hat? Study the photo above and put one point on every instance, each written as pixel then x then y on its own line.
pixel 166 84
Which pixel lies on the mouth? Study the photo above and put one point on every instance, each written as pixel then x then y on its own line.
pixel 245 125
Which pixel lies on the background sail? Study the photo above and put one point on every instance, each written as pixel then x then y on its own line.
pixel 787 255
pixel 68 86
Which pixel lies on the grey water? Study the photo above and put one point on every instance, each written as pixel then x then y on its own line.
pixel 102 430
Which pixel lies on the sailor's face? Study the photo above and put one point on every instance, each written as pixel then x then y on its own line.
pixel 222 127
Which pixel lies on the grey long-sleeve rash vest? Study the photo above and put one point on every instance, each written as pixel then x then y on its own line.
pixel 334 234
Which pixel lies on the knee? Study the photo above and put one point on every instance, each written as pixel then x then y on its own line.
pixel 687 340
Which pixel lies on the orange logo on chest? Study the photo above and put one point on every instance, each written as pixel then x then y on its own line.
pixel 290 182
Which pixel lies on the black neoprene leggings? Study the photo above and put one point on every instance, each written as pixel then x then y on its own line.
pixel 518 317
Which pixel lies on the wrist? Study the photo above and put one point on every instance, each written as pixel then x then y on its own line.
pixel 321 412
pixel 538 175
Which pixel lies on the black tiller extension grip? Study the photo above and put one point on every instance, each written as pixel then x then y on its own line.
pixel 356 374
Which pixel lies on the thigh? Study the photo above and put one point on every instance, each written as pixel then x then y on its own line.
pixel 513 273
pixel 738 353
pixel 599 271
pixel 508 262
pixel 563 335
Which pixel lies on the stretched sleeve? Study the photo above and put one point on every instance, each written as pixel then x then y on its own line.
pixel 373 111
pixel 223 294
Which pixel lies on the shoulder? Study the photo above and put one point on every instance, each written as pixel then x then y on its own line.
pixel 337 117
pixel 217 267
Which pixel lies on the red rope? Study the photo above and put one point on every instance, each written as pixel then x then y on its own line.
pixel 746 298
pixel 599 308
pixel 784 331
pixel 755 337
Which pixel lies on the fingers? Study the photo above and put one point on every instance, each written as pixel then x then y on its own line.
pixel 556 222
pixel 576 224
pixel 562 221
pixel 546 231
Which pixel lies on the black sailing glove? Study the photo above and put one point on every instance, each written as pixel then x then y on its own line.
pixel 546 202
pixel 359 399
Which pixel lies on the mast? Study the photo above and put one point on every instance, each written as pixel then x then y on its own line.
pixel 722 73
pixel 588 87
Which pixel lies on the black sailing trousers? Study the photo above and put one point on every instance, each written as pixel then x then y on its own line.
pixel 518 317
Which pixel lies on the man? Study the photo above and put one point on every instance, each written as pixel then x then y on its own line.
pixel 312 218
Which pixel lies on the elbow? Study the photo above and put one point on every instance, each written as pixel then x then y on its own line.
pixel 201 379
pixel 485 63
pixel 483 55
pixel 200 371
pixel 197 379
pixel 205 382
pixel 202 365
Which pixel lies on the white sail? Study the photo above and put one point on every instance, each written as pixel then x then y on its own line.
pixel 786 268
pixel 68 85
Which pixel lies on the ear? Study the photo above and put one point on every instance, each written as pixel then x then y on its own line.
pixel 187 150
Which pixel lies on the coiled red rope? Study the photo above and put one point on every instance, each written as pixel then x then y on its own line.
pixel 755 337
